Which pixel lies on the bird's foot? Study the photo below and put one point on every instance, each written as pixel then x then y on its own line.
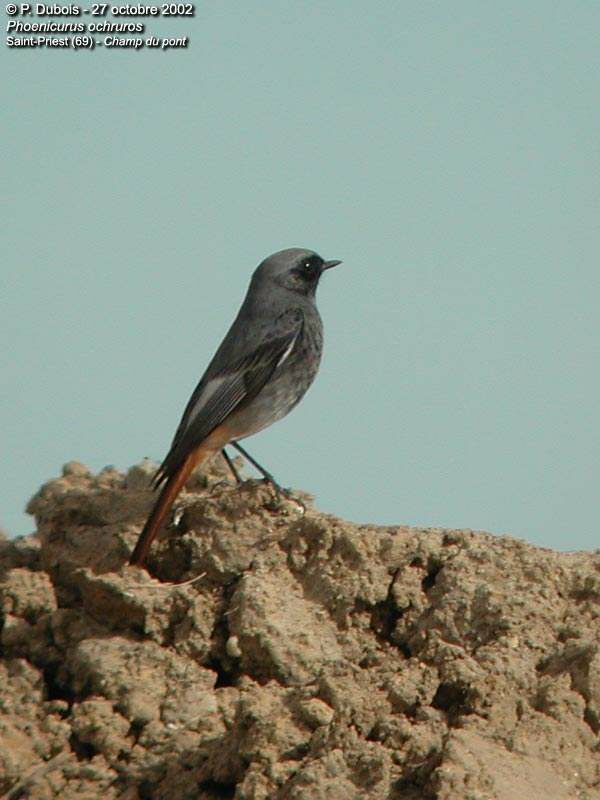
pixel 224 484
pixel 281 496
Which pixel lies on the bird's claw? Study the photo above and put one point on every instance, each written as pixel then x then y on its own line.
pixel 223 484
pixel 281 494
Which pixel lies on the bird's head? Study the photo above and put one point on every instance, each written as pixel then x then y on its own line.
pixel 295 269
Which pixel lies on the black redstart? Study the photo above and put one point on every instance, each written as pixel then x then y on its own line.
pixel 262 369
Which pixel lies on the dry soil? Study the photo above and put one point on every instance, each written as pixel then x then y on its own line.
pixel 311 659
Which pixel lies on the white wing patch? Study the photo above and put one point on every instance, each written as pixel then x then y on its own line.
pixel 214 385
pixel 211 387
pixel 287 351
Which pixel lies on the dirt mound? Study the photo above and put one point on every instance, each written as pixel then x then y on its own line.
pixel 313 658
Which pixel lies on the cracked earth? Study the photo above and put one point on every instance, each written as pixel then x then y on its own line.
pixel 308 657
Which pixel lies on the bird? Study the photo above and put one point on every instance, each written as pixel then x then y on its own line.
pixel 260 372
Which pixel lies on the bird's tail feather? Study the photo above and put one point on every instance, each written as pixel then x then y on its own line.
pixel 165 500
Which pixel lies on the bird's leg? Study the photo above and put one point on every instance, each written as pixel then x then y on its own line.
pixel 231 466
pixel 279 490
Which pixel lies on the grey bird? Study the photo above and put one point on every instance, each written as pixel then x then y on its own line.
pixel 265 364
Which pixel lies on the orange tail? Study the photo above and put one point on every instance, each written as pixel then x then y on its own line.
pixel 165 500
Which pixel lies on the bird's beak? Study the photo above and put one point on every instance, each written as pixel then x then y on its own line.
pixel 329 265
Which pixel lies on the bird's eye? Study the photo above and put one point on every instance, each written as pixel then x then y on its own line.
pixel 310 268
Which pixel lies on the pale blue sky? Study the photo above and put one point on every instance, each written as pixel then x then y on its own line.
pixel 449 153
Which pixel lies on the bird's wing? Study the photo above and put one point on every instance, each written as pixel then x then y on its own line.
pixel 226 388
